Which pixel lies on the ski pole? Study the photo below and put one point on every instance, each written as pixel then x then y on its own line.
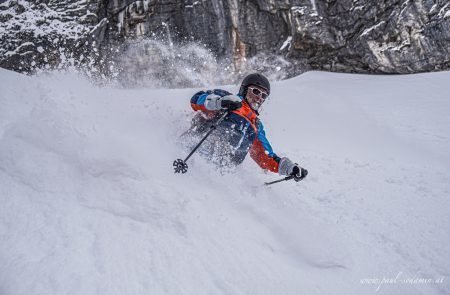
pixel 280 180
pixel 286 178
pixel 297 179
pixel 179 164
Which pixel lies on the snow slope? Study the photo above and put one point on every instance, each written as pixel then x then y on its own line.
pixel 90 203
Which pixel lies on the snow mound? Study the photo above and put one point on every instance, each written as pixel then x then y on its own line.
pixel 90 203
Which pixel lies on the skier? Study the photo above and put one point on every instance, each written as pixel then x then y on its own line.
pixel 241 131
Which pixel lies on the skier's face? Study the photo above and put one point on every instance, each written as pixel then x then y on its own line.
pixel 256 97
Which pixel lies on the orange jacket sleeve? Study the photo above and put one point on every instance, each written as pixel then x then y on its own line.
pixel 262 153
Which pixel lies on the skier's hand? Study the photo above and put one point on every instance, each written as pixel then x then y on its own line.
pixel 288 168
pixel 231 102
pixel 299 173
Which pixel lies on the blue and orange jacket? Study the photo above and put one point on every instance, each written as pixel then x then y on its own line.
pixel 249 135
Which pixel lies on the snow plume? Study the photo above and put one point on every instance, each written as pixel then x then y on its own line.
pixel 162 64
pixel 159 64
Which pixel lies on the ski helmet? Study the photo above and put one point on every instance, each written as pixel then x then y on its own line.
pixel 254 79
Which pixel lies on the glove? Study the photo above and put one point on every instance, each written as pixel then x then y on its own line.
pixel 299 173
pixel 230 102
pixel 287 167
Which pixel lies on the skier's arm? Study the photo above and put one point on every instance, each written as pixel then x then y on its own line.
pixel 262 153
pixel 264 156
pixel 211 100
pixel 198 101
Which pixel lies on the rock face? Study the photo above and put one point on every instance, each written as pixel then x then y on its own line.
pixel 386 36
pixel 389 36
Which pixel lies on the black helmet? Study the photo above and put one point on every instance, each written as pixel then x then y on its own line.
pixel 254 79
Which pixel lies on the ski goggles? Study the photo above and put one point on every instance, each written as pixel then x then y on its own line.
pixel 258 92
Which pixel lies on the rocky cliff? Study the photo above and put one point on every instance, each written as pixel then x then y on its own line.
pixel 386 36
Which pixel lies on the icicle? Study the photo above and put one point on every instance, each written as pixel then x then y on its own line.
pixel 314 8
pixel 286 43
pixel 121 20
pixel 138 6
pixel 140 29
